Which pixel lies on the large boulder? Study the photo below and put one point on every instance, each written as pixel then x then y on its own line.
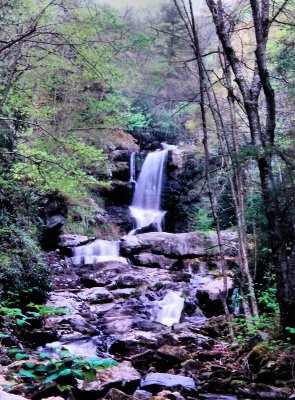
pixel 182 245
pixel 155 382
pixel 123 377
pixel 10 396
pixel 71 240
pixel 153 260
pixel 96 295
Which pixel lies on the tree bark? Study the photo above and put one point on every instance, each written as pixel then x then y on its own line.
pixel 263 140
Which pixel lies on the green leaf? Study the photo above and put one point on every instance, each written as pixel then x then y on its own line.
pixel 30 365
pixel 63 388
pixel 45 355
pixel 78 374
pixel 21 322
pixel 51 378
pixel 21 356
pixel 28 374
pixel 65 372
pixel 90 375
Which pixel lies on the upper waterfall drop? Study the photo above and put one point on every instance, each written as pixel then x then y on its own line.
pixel 146 203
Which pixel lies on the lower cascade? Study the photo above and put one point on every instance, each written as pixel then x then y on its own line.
pixel 170 308
pixel 97 251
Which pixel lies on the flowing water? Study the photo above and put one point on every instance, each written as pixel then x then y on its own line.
pixel 170 308
pixel 132 179
pixel 146 203
pixel 97 251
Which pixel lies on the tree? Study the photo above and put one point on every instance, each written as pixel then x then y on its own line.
pixel 254 89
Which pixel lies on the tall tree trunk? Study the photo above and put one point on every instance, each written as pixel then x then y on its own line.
pixel 263 139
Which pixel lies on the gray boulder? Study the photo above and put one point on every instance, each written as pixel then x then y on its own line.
pixel 153 260
pixel 123 377
pixel 179 245
pixel 70 240
pixel 96 295
pixel 156 382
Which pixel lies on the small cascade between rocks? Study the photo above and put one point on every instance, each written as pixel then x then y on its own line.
pixel 146 203
pixel 132 179
pixel 170 308
pixel 97 251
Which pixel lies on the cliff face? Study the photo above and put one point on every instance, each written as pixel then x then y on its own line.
pixel 182 187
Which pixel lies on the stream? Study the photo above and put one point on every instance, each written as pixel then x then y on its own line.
pixel 136 300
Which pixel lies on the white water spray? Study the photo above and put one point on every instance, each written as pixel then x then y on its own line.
pixel 97 251
pixel 170 308
pixel 132 169
pixel 146 203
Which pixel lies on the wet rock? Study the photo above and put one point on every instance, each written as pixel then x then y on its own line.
pixel 153 227
pixel 55 222
pixel 143 361
pixel 101 309
pixel 10 396
pixel 166 394
pixel 120 155
pixel 170 357
pixel 175 354
pixel 69 240
pixel 153 261
pixel 124 293
pixel 120 170
pixel 104 273
pixel 77 323
pixel 262 391
pixel 118 325
pixel 257 357
pixel 155 382
pixel 95 295
pixel 115 394
pixel 126 281
pixel 136 342
pixel 39 337
pixel 66 300
pixel 209 296
pixel 54 212
pixel 191 367
pixel 54 398
pixel 77 344
pixel 110 193
pixel 192 244
pixel 123 377
pixel 142 394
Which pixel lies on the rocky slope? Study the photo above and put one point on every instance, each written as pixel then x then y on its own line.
pixel 114 311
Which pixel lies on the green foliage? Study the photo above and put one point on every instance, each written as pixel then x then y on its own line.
pixel 14 320
pixel 24 273
pixel 269 318
pixel 200 221
pixel 61 373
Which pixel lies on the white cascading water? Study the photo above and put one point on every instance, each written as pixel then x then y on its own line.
pixel 170 308
pixel 97 251
pixel 146 203
pixel 132 169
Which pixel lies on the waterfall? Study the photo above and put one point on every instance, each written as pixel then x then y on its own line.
pixel 170 309
pixel 132 169
pixel 146 203
pixel 97 251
